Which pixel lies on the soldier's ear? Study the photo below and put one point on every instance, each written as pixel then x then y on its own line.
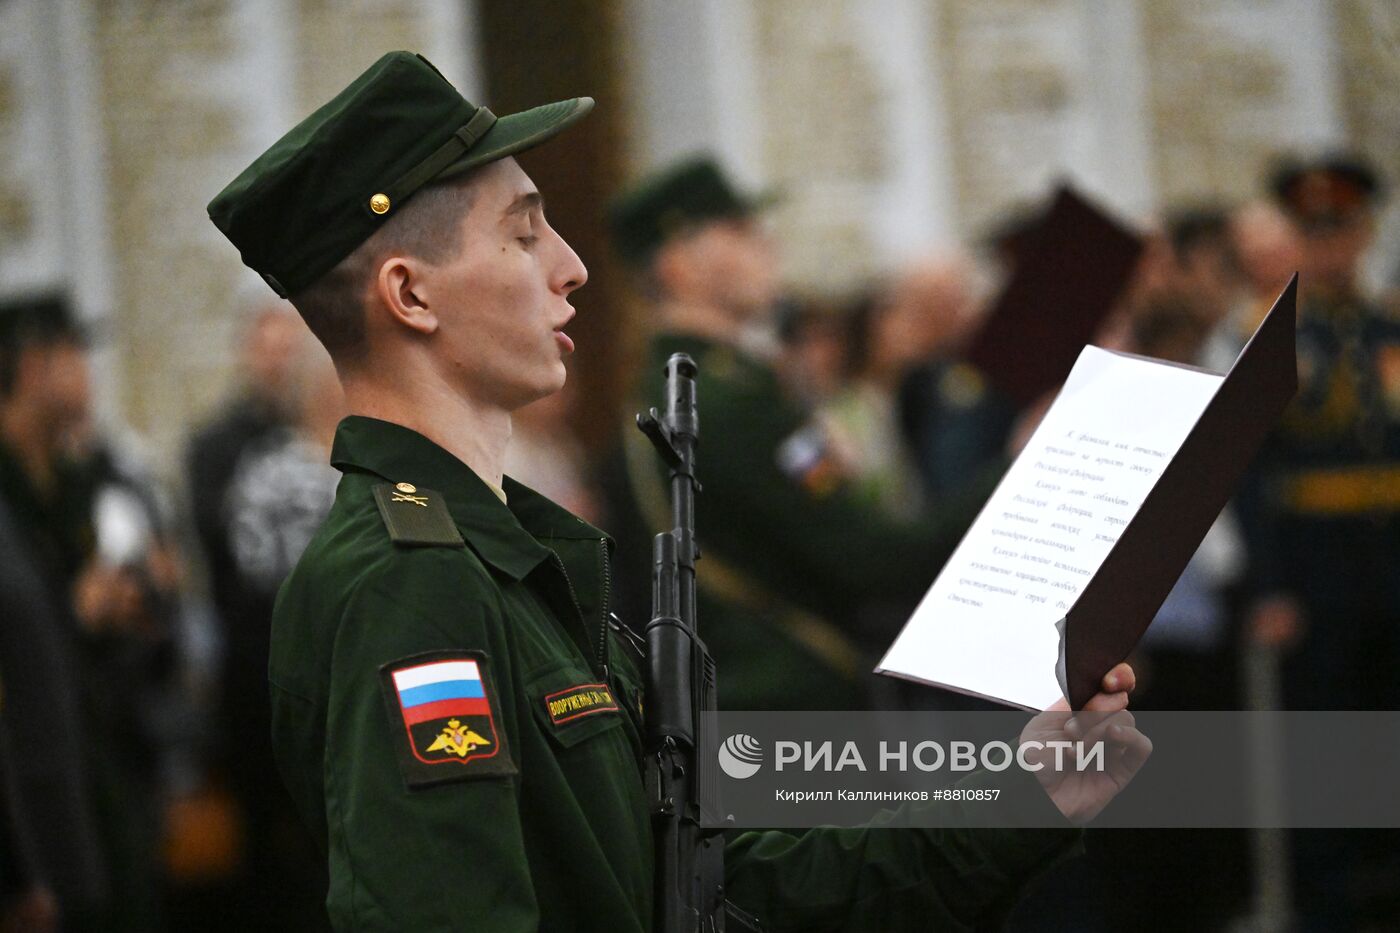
pixel 398 285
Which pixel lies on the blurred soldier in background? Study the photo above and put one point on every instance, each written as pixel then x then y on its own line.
pixel 1322 513
pixel 95 539
pixel 793 559
pixel 1326 514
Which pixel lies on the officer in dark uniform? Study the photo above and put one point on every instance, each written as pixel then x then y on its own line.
pixel 452 712
pixel 797 566
pixel 1324 510
pixel 1322 517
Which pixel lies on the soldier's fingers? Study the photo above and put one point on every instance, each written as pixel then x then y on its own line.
pixel 1121 678
pixel 1098 729
pixel 1107 702
pixel 1094 713
pixel 1098 726
pixel 1135 748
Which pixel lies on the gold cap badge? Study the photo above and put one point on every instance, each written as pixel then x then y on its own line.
pixel 406 487
pixel 379 204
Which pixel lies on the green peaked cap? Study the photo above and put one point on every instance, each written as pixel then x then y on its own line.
pixel 671 199
pixel 336 177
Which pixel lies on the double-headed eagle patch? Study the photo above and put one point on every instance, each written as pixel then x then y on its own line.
pixel 444 704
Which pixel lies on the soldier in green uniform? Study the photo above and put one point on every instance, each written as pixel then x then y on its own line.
pixel 794 559
pixel 454 715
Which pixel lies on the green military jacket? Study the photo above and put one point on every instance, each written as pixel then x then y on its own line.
pixel 461 730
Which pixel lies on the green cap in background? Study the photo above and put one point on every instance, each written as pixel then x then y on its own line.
pixel 38 318
pixel 41 319
pixel 334 179
pixel 673 199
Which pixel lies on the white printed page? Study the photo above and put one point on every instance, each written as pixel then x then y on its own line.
pixel 987 625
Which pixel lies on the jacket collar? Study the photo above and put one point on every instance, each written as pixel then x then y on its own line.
pixel 505 536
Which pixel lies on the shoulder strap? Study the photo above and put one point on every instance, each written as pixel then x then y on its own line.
pixel 416 517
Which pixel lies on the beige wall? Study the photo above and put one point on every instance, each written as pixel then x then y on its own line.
pixel 897 124
pixel 1368 34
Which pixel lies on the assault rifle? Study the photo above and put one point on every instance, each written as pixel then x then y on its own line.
pixel 680 689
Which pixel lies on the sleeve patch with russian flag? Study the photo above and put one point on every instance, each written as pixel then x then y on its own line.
pixel 445 709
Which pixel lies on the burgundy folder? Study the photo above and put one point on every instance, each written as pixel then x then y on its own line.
pixel 1071 267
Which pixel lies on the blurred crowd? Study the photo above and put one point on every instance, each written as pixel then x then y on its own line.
pixel 139 787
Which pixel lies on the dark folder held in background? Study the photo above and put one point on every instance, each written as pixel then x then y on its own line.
pixel 1070 269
